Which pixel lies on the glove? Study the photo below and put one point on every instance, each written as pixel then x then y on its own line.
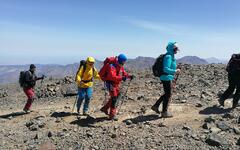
pixel 132 77
pixel 124 78
pixel 43 76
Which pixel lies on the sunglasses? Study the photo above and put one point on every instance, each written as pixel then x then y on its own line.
pixel 91 63
pixel 175 49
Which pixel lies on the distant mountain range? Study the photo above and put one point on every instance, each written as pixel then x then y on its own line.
pixel 192 60
pixel 213 60
pixel 10 73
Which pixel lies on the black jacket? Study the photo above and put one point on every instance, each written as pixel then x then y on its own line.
pixel 30 79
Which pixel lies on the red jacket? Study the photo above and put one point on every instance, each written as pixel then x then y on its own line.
pixel 115 73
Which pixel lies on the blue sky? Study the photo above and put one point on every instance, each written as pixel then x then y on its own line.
pixel 62 32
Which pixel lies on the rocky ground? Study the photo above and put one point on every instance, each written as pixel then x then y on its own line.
pixel 198 123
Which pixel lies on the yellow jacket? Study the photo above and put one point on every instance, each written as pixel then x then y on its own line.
pixel 84 80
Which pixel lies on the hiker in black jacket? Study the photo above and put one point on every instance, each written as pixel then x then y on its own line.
pixel 30 79
pixel 233 69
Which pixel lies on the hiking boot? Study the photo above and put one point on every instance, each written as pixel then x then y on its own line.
pixel 155 108
pixel 114 118
pixel 221 102
pixel 85 113
pixel 104 111
pixel 26 110
pixel 234 105
pixel 166 114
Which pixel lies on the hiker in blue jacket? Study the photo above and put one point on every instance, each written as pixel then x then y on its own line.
pixel 169 69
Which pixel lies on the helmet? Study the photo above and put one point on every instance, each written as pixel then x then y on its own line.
pixel 122 58
pixel 90 60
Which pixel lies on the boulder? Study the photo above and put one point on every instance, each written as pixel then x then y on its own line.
pixel 215 140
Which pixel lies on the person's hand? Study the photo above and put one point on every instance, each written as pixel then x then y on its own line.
pixel 174 85
pixel 178 71
pixel 43 76
pixel 132 77
pixel 124 78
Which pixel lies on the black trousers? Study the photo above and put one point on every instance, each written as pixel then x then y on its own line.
pixel 165 98
pixel 234 83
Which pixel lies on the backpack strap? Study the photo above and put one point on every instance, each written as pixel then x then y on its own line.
pixel 93 71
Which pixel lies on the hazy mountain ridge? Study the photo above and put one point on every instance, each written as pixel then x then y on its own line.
pixel 213 60
pixel 10 73
pixel 192 60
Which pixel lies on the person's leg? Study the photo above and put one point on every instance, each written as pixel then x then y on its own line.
pixel 237 93
pixel 113 107
pixel 87 100
pixel 229 91
pixel 166 98
pixel 30 95
pixel 155 107
pixel 105 108
pixel 81 94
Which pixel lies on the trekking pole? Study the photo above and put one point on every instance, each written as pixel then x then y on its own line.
pixel 105 94
pixel 43 76
pixel 39 92
pixel 74 103
pixel 125 94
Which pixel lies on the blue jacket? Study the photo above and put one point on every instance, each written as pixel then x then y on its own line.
pixel 169 63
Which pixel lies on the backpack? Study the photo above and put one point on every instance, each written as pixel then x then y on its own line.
pixel 22 78
pixel 83 64
pixel 157 67
pixel 103 71
pixel 234 63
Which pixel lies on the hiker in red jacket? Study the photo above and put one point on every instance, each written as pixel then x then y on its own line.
pixel 113 73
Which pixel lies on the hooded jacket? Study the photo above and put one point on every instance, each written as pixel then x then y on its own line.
pixel 169 63
pixel 115 73
pixel 84 79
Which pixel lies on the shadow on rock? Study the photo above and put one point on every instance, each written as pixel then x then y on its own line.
pixel 88 121
pixel 142 118
pixel 13 114
pixel 214 110
pixel 62 114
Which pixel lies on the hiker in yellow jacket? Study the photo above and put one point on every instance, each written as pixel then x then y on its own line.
pixel 84 79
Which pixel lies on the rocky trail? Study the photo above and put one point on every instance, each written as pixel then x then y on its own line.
pixel 197 123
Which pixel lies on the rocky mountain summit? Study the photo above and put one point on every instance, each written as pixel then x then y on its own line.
pixel 198 122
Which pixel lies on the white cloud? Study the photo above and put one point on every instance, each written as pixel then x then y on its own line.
pixel 204 33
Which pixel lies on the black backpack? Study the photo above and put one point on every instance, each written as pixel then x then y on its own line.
pixel 22 78
pixel 157 67
pixel 234 63
pixel 83 64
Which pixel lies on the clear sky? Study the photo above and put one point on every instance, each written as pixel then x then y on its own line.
pixel 65 31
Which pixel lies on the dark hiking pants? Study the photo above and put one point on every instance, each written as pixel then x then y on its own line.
pixel 234 83
pixel 165 98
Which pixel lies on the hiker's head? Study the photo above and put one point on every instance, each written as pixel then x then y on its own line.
pixel 172 47
pixel 90 61
pixel 175 48
pixel 122 59
pixel 32 68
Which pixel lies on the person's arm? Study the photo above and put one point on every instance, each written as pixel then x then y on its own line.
pixel 39 78
pixel 79 75
pixel 112 74
pixel 96 75
pixel 167 61
pixel 229 63
pixel 124 73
